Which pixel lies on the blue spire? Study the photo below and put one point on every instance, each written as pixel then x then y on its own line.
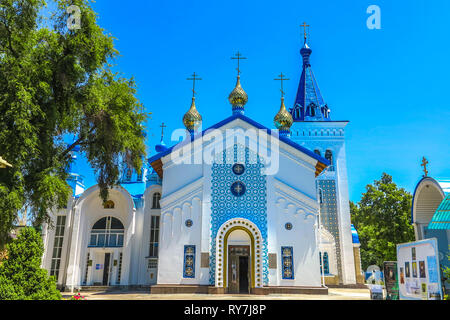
pixel 75 180
pixel 309 104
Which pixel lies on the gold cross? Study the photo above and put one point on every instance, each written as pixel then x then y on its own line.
pixel 282 78
pixel 424 165
pixel 162 130
pixel 194 77
pixel 304 25
pixel 238 56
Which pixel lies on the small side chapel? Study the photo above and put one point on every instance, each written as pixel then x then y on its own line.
pixel 223 211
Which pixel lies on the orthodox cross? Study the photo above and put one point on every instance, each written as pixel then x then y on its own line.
pixel 281 79
pixel 238 189
pixel 238 169
pixel 194 77
pixel 238 56
pixel 424 165
pixel 304 25
pixel 162 130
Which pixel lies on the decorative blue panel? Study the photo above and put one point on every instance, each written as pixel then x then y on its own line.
pixel 287 263
pixel 326 264
pixel 251 204
pixel 189 262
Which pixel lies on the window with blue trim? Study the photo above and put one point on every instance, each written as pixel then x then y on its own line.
pixel 287 263
pixel 189 262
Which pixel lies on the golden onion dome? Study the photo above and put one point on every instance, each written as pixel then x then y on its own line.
pixel 192 119
pixel 238 97
pixel 283 120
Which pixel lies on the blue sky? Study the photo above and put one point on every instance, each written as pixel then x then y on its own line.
pixel 391 84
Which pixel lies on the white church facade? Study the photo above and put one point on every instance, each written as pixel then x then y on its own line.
pixel 235 208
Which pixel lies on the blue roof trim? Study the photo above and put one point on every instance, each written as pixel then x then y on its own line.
pixel 253 123
pixel 414 194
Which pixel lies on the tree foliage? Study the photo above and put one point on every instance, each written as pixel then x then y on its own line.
pixel 382 218
pixel 21 277
pixel 56 82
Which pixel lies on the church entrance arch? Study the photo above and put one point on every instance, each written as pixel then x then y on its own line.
pixel 239 262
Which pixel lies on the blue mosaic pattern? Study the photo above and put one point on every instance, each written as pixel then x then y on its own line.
pixel 189 261
pixel 329 215
pixel 225 206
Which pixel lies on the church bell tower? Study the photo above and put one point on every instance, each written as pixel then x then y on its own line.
pixel 314 129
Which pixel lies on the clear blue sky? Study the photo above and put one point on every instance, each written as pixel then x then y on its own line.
pixel 391 84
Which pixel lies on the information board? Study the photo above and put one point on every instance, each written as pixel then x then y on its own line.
pixel 418 270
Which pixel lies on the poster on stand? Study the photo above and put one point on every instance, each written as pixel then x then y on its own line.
pixel 418 267
pixel 391 279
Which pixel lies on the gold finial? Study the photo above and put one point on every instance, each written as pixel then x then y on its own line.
pixel 424 165
pixel 283 119
pixel 305 34
pixel 238 97
pixel 192 118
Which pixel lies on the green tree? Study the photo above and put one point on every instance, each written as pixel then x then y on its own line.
pixel 21 275
pixel 56 82
pixel 382 218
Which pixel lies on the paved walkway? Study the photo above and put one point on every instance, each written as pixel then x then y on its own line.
pixel 333 294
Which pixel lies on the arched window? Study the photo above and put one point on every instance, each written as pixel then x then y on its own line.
pixel 317 151
pixel 140 175
pixel 155 202
pixel 128 177
pixel 329 156
pixel 107 232
pixel 108 204
pixel 326 267
pixel 312 110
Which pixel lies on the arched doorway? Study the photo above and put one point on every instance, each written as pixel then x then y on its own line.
pixel 104 260
pixel 239 251
pixel 239 243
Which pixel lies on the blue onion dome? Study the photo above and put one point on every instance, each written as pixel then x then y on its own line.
pixel 355 237
pixel 238 97
pixel 283 120
pixel 192 119
pixel 161 147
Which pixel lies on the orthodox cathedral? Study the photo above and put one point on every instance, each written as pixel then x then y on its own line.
pixel 235 208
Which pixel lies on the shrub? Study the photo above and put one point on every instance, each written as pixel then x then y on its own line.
pixel 21 275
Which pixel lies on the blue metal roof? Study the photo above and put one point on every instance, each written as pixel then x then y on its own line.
pixel 309 101
pixel 355 237
pixel 441 218
pixel 253 123
pixel 415 190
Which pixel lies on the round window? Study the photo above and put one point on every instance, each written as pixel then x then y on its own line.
pixel 238 188
pixel 238 169
pixel 188 223
pixel 288 226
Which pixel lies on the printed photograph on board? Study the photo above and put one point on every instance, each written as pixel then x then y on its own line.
pixel 407 269
pixel 414 269
pixel 422 269
pixel 413 253
pixel 402 276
